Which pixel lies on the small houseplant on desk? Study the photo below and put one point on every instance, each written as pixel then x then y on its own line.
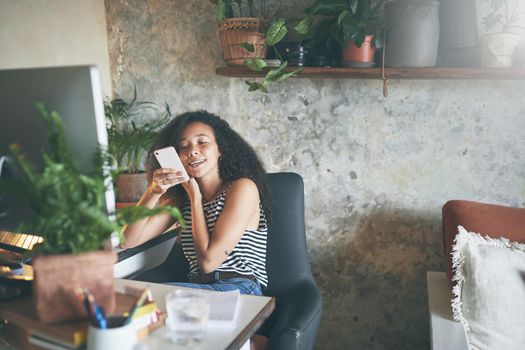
pixel 128 143
pixel 69 213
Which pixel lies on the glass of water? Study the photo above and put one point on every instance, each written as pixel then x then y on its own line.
pixel 188 311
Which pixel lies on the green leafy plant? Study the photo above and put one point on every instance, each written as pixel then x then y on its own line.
pixel 129 142
pixel 241 8
pixel 68 206
pixel 342 20
pixel 275 33
pixel 505 15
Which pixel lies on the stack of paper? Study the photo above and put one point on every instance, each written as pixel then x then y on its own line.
pixel 224 307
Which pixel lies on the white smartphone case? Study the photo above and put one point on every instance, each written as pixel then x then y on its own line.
pixel 168 158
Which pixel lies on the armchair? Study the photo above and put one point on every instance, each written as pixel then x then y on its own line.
pixel 486 219
pixel 296 318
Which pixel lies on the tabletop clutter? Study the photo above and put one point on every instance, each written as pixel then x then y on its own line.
pixel 188 315
pixel 123 330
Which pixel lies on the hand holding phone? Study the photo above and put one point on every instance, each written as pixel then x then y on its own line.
pixel 168 158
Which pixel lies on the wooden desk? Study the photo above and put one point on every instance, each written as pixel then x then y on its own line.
pixel 254 310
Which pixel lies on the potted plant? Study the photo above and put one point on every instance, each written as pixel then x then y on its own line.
pixel 413 33
pixel 497 49
pixel 128 142
pixel 245 36
pixel 352 26
pixel 69 213
pixel 239 27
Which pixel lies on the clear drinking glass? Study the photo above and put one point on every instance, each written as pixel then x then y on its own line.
pixel 188 312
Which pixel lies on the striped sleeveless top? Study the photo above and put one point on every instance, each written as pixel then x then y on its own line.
pixel 249 255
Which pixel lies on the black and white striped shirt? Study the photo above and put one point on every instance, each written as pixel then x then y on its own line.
pixel 249 255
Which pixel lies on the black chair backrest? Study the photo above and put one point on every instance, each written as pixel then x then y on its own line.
pixel 287 257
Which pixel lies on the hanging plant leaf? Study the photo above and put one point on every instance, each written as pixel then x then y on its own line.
pixel 255 64
pixel 254 86
pixel 274 74
pixel 305 25
pixel 248 47
pixel 344 18
pixel 276 32
pixel 289 75
pixel 359 38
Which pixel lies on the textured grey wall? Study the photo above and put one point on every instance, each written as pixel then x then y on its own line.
pixel 377 170
pixel 54 33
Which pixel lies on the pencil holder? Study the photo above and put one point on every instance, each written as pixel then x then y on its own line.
pixel 117 335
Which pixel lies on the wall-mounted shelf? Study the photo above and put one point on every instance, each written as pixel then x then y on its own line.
pixel 390 73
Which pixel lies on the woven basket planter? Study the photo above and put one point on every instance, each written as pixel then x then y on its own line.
pixel 233 32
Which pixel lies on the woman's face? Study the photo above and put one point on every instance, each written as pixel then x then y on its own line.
pixel 198 150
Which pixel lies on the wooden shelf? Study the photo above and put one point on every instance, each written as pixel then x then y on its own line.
pixel 390 73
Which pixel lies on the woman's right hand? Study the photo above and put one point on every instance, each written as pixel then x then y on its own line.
pixel 164 178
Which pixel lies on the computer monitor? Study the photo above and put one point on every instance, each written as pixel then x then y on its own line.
pixel 74 92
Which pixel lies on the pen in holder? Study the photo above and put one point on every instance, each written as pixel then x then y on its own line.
pixel 117 335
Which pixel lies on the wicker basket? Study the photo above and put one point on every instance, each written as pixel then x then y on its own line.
pixel 233 32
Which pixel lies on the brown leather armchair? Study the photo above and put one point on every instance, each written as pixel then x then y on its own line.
pixel 486 219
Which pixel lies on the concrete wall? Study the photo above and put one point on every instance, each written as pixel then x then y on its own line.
pixel 48 33
pixel 377 170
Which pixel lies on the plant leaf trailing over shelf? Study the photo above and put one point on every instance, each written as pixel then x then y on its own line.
pixel 68 206
pixel 275 33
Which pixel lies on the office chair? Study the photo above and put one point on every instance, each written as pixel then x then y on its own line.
pixel 296 318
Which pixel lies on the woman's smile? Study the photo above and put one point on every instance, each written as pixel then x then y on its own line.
pixel 199 151
pixel 196 163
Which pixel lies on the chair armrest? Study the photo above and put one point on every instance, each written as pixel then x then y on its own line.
pixel 298 313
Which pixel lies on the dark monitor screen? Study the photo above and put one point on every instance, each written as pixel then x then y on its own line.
pixel 76 94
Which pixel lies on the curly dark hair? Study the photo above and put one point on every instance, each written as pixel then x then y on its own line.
pixel 238 159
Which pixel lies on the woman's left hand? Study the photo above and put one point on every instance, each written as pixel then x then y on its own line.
pixel 164 178
pixel 192 189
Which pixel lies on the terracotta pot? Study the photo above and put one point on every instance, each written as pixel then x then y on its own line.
pixel 365 53
pixel 233 32
pixel 57 276
pixel 130 187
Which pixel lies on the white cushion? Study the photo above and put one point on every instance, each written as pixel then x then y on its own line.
pixel 489 294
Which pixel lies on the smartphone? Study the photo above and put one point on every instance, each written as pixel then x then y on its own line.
pixel 168 158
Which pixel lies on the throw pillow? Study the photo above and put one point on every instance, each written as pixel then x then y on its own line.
pixel 489 290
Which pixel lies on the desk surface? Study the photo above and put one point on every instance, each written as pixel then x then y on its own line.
pixel 254 310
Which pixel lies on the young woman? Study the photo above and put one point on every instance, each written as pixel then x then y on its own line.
pixel 224 204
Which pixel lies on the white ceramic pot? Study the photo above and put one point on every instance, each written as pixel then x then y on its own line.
pixel 497 49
